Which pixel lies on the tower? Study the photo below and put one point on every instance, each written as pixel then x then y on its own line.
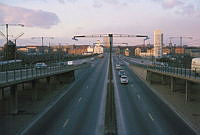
pixel 158 43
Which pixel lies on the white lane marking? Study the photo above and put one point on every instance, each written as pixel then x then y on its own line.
pixel 66 122
pixel 131 85
pixel 87 87
pixel 150 116
pixel 80 99
pixel 138 96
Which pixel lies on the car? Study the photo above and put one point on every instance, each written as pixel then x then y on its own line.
pixel 92 59
pixel 70 63
pixel 40 65
pixel 121 72
pixel 124 79
pixel 118 67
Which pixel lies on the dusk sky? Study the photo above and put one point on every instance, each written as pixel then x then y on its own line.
pixel 64 18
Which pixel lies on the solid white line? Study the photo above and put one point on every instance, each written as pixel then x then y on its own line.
pixel 66 122
pixel 101 117
pixel 150 116
pixel 120 118
pixel 79 99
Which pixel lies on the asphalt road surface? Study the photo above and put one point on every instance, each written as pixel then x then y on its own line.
pixel 140 112
pixel 82 113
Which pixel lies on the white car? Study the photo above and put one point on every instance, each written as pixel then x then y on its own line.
pixel 40 65
pixel 124 79
pixel 70 63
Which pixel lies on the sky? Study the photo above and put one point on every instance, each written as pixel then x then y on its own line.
pixel 63 19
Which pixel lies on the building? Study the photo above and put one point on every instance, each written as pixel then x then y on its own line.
pixel 90 49
pixel 137 51
pixel 127 52
pixel 179 50
pixel 158 43
pixel 166 51
pixel 33 49
pixel 106 42
pixel 78 49
pixel 96 49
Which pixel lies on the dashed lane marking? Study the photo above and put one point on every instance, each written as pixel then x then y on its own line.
pixel 66 122
pixel 151 116
pixel 138 96
pixel 80 99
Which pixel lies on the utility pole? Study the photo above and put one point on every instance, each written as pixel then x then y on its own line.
pixel 7 33
pixel 42 40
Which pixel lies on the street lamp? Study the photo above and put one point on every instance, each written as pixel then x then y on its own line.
pixel 7 25
pixel 7 28
pixel 42 39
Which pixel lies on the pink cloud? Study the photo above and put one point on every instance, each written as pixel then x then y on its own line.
pixel 28 17
pixel 171 3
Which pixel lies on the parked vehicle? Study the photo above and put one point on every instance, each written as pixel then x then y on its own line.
pixel 195 66
pixel 124 79
pixel 40 65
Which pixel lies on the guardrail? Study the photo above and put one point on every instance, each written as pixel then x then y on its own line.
pixel 30 72
pixel 189 73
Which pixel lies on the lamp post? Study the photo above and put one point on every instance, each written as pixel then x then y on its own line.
pixel 42 40
pixel 7 36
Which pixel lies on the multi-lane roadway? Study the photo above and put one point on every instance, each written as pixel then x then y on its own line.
pixel 82 111
pixel 139 111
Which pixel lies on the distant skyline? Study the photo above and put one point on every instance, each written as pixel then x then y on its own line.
pixel 64 18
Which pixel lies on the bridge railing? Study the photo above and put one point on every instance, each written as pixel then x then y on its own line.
pixel 30 72
pixel 170 70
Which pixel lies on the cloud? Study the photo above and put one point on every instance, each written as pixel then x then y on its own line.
pixel 97 4
pixel 63 1
pixel 171 3
pixel 189 10
pixel 113 2
pixel 182 7
pixel 101 3
pixel 28 17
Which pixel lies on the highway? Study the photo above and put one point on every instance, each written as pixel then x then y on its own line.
pixel 140 112
pixel 82 110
